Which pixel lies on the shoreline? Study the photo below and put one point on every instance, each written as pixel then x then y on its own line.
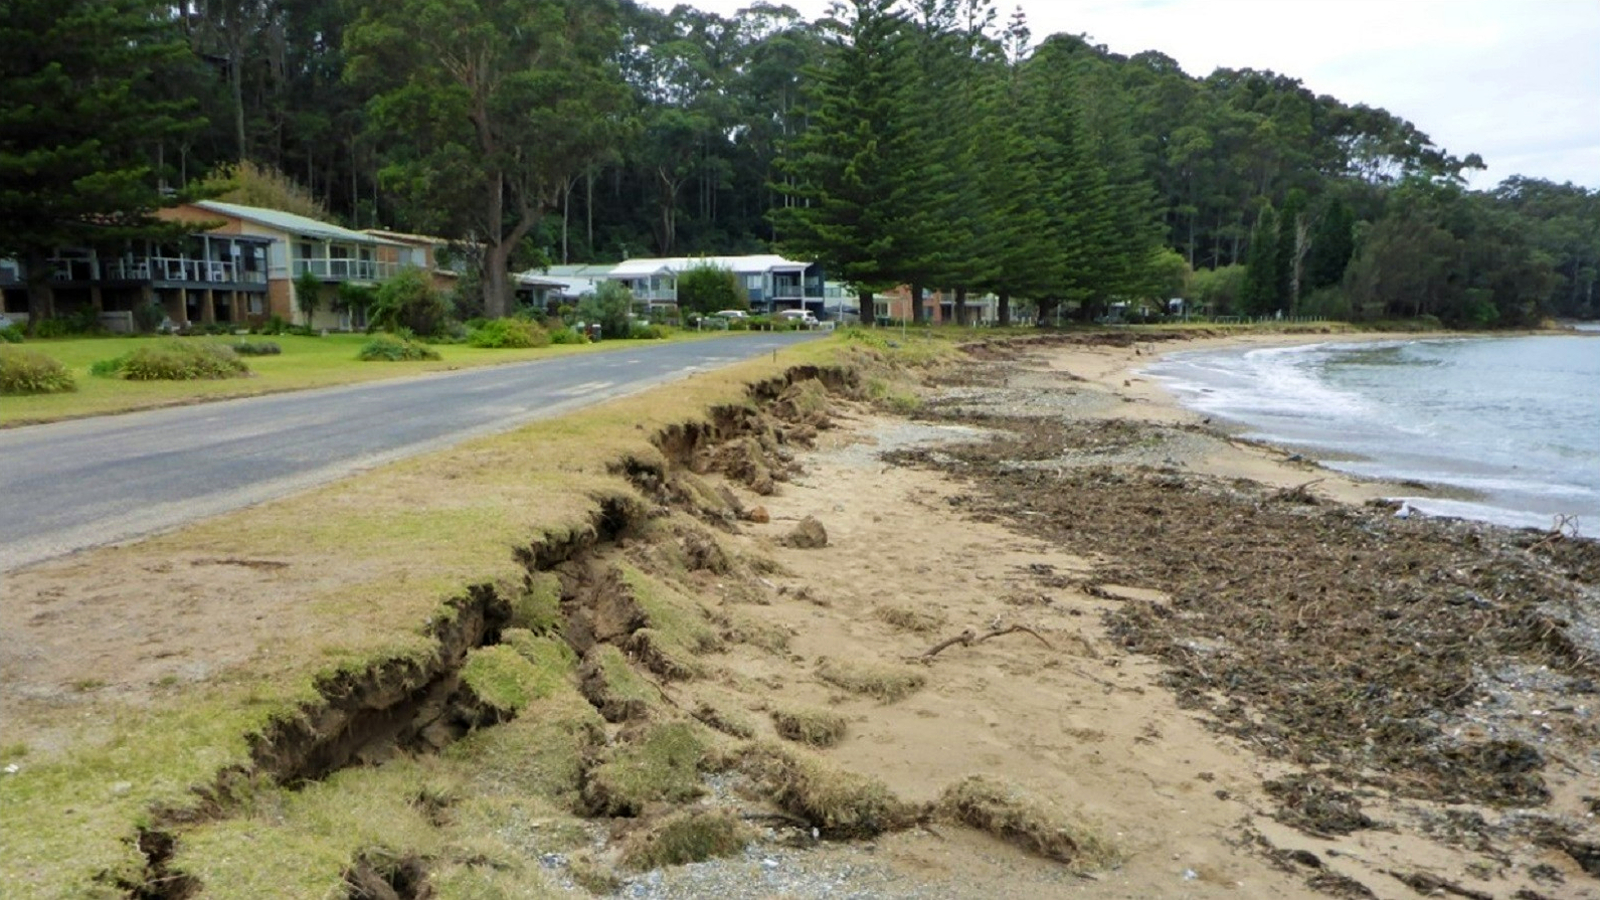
pixel 1434 497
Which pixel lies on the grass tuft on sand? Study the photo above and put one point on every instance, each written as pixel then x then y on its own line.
pixel 1005 812
pixel 809 725
pixel 839 804
pixel 881 681
pixel 909 618
pixel 661 765
pixel 686 837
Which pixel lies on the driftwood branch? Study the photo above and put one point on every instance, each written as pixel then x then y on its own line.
pixel 969 637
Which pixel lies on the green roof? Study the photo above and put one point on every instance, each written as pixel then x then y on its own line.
pixel 293 224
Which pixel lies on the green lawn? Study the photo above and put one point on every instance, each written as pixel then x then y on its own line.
pixel 306 362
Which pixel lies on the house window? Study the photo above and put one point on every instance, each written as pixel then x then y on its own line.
pixel 256 306
pixel 752 282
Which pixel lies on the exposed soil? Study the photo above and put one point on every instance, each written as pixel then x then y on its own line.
pixel 1057 638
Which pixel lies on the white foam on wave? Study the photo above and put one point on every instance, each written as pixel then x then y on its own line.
pixel 1271 382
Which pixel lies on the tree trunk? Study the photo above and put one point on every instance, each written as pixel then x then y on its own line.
pixel 496 258
pixel 1003 309
pixel 916 301
pixel 588 207
pixel 864 309
pixel 41 295
pixel 961 306
pixel 566 207
pixel 236 79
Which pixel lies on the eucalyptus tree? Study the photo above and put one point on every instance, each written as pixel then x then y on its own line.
pixel 487 109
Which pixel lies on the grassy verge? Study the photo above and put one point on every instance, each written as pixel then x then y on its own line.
pixel 369 563
pixel 306 362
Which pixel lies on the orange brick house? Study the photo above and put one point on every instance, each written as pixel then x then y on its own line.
pixel 298 245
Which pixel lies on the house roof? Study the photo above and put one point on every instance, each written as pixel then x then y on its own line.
pixel 406 238
pixel 743 265
pixel 291 223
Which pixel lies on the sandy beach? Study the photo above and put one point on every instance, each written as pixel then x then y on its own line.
pixel 1224 671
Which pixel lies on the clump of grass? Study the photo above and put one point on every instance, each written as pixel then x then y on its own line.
pixel 839 804
pixel 257 348
pixel 390 348
pixel 592 876
pixel 1003 811
pixel 538 609
pixel 661 765
pixel 31 372
pixel 174 360
pixel 728 721
pixel 892 396
pixel 740 628
pixel 808 725
pixel 552 660
pixel 540 753
pixel 685 837
pixel 678 629
pixel 613 686
pixel 906 618
pixel 885 682
pixel 502 679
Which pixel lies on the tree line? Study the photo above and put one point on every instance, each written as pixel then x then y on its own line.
pixel 930 143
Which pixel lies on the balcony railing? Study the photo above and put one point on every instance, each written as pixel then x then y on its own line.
pixel 656 295
pixel 172 268
pixel 346 269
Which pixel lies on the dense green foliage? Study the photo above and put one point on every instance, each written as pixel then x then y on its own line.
pixel 87 87
pixel 610 307
pixel 409 302
pixel 508 333
pixel 174 360
pixel 709 289
pixel 917 142
pixel 31 372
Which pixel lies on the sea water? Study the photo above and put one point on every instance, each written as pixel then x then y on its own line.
pixel 1512 424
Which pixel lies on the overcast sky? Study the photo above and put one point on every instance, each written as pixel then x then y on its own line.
pixel 1517 81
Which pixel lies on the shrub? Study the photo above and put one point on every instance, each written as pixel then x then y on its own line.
pixel 609 307
pixel 567 336
pixel 390 348
pixel 148 316
pixel 174 361
pixel 410 301
pixel 31 372
pixel 12 334
pixel 83 322
pixel 275 325
pixel 259 348
pixel 641 331
pixel 508 333
pixel 708 288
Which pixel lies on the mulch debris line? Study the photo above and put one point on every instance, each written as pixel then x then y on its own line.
pixel 1438 661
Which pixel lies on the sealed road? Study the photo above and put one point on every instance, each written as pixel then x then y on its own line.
pixel 71 485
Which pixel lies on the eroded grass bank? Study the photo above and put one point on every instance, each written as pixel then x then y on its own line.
pixel 426 681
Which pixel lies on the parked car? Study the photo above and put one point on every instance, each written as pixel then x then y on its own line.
pixel 803 317
pixel 732 314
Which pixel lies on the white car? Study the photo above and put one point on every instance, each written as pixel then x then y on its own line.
pixel 732 314
pixel 801 316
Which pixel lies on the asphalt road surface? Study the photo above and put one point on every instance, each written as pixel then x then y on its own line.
pixel 71 485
